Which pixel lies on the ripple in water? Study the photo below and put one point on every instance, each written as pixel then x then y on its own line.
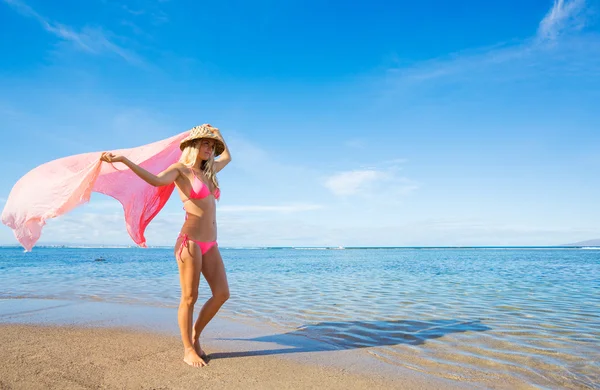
pixel 531 315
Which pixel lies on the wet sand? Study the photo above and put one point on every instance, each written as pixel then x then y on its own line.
pixel 49 343
pixel 65 357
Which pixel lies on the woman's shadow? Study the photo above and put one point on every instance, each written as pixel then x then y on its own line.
pixel 330 336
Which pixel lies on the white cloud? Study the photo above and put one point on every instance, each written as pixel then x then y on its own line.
pixel 451 233
pixel 290 232
pixel 287 230
pixel 256 166
pixel 380 183
pixel 564 16
pixel 159 17
pixel 541 53
pixel 468 63
pixel 235 229
pixel 102 222
pixel 86 228
pixel 90 40
pixel 91 228
pixel 149 11
pixel 483 232
pixel 135 12
pixel 352 182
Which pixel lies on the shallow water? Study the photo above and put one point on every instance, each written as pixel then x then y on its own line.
pixel 458 313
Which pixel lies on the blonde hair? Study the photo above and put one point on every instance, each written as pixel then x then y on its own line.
pixel 189 157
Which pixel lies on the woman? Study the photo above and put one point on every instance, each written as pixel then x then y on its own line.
pixel 196 249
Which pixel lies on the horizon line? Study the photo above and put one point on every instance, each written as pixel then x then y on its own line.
pixel 301 247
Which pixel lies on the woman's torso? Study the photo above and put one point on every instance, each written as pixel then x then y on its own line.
pixel 199 205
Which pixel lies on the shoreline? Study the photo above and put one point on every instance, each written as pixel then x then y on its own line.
pixel 55 342
pixel 79 336
pixel 68 357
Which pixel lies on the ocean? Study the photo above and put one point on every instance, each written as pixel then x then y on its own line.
pixel 532 313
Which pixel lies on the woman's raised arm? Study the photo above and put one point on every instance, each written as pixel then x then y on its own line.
pixel 164 178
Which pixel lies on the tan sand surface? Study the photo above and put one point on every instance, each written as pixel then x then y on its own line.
pixel 64 357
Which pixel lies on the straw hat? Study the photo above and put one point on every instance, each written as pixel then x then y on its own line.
pixel 204 131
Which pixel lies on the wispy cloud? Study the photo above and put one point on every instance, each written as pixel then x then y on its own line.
pixel 87 226
pixel 351 182
pixel 159 17
pixel 240 231
pixel 379 180
pixel 285 209
pixel 91 40
pixel 142 11
pixel 251 158
pixel 383 182
pixel 456 233
pixel 484 232
pixel 109 228
pixel 132 11
pixel 565 19
pixel 565 16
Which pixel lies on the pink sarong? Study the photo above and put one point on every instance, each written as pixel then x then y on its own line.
pixel 59 186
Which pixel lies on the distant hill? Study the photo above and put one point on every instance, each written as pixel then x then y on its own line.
pixel 595 242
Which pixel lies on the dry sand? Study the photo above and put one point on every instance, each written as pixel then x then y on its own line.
pixel 63 357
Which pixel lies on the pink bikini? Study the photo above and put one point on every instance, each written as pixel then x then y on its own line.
pixel 199 191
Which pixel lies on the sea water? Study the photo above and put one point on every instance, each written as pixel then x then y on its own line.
pixel 533 313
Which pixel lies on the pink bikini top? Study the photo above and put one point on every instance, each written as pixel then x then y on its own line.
pixel 200 189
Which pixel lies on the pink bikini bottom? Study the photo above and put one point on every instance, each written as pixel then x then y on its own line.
pixel 204 246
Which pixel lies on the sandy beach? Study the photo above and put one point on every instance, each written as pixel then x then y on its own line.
pixel 64 357
pixel 54 344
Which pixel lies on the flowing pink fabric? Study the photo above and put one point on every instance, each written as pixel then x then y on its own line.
pixel 59 186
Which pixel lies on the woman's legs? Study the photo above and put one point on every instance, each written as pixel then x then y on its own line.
pixel 214 273
pixel 190 266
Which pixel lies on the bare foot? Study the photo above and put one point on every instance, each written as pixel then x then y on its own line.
pixel 191 357
pixel 197 347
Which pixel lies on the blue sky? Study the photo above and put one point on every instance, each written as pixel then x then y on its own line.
pixel 364 124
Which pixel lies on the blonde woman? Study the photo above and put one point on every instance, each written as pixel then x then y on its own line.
pixel 196 249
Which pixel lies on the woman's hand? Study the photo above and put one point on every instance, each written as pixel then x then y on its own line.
pixel 111 158
pixel 164 178
pixel 214 130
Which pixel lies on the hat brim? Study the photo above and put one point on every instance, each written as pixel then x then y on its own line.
pixel 219 145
